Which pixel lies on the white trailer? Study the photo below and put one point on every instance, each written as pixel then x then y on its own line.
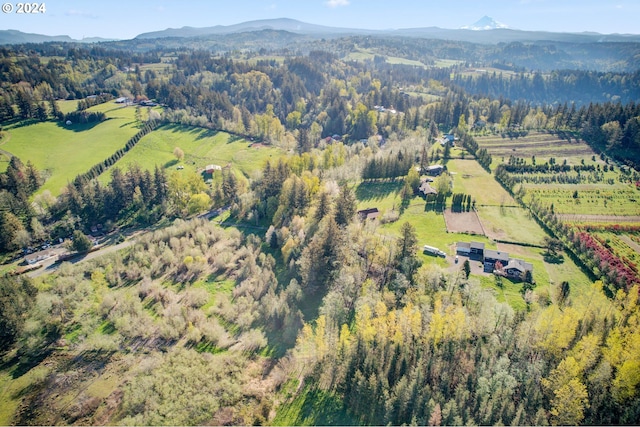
pixel 434 251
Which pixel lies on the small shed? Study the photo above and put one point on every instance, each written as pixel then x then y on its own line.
pixel 371 213
pixel 212 168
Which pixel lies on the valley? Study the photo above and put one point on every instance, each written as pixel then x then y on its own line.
pixel 241 226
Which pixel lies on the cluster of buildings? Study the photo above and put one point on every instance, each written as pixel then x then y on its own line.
pixel 495 261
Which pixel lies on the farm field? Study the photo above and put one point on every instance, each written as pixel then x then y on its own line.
pixel 470 178
pixel 62 152
pixel 541 145
pixel 599 219
pixel 510 223
pixel 622 245
pixel 365 54
pixel 200 146
pixel 590 199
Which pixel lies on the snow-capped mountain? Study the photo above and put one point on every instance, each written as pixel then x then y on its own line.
pixel 485 23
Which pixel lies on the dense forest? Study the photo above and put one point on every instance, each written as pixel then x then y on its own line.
pixel 298 301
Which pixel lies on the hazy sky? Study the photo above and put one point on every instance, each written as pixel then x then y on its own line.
pixel 125 19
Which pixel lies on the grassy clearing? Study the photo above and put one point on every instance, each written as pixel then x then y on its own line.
pixel 367 54
pixel 62 152
pixel 214 285
pixel 312 407
pixel 470 178
pixel 404 61
pixel 67 106
pixel 382 194
pixel 510 223
pixel 200 146
pixel 12 390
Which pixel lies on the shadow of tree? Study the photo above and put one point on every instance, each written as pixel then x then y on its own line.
pixel 377 190
pixel 170 163
pixel 80 127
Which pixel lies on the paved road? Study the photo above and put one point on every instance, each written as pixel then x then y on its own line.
pixel 51 265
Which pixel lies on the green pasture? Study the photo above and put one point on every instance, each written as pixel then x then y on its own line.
pixel 61 152
pixel 367 54
pixel 470 178
pixel 404 61
pixel 67 106
pixel 381 194
pixel 200 146
pixel 510 223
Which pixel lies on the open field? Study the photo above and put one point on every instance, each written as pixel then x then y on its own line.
pixel 62 152
pixel 541 145
pixel 200 146
pixel 470 178
pixel 67 106
pixel 510 223
pixel 366 54
pixel 381 194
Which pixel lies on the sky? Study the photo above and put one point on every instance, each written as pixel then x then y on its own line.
pixel 124 19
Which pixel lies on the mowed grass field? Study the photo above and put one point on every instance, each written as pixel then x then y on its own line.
pixel 62 152
pixel 200 146
pixel 470 178
pixel 510 223
pixel 539 144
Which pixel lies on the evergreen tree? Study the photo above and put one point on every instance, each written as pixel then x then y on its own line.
pixel 407 245
pixel 81 243
pixel 345 206
pixel 466 267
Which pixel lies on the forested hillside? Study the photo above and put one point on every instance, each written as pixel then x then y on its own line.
pixel 239 281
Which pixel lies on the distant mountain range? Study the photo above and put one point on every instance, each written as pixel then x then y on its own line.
pixel 492 32
pixel 17 37
pixel 495 32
